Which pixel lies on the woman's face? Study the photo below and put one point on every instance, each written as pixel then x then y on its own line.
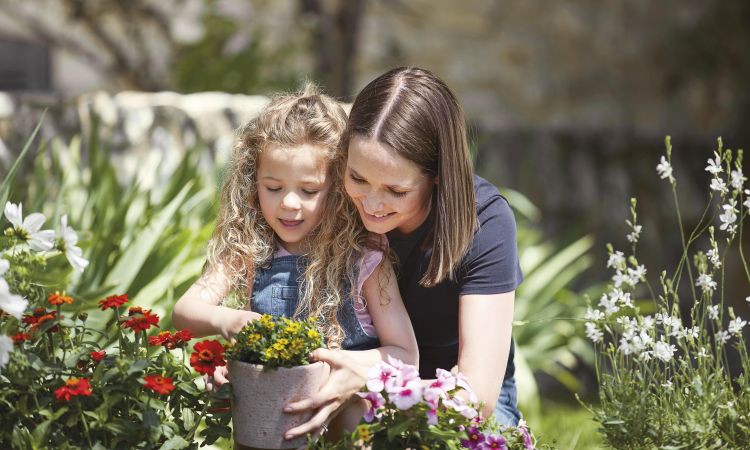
pixel 391 192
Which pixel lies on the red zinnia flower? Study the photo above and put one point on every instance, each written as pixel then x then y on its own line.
pixel 58 299
pixel 140 319
pixel 182 336
pixel 207 356
pixel 33 318
pixel 98 356
pixel 20 337
pixel 169 340
pixel 159 384
pixel 113 301
pixel 73 387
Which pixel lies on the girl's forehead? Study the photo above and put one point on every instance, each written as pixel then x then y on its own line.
pixel 286 162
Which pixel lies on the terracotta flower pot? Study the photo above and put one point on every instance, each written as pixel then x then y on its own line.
pixel 259 396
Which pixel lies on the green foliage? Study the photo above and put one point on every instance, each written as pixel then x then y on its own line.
pixel 65 386
pixel 665 380
pixel 208 66
pixel 149 242
pixel 276 342
pixel 546 328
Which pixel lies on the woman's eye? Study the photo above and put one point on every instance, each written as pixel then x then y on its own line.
pixel 273 189
pixel 356 179
pixel 309 192
pixel 397 194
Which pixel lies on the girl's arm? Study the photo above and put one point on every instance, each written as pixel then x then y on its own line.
pixel 390 319
pixel 349 368
pixel 199 311
pixel 484 328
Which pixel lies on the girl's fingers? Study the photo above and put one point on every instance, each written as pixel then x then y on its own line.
pixel 315 424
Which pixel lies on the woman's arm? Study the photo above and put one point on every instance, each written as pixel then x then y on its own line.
pixel 349 367
pixel 199 311
pixel 484 331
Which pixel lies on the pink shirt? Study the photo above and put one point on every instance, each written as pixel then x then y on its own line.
pixel 367 266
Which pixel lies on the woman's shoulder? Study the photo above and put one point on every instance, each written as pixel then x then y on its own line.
pixel 490 203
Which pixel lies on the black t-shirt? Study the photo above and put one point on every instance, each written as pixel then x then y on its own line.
pixel 489 267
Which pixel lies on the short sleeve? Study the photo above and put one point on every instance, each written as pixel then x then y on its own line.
pixel 491 265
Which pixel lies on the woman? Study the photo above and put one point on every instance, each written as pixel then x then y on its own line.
pixel 409 174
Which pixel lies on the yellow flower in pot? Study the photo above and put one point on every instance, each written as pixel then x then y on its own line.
pixel 269 367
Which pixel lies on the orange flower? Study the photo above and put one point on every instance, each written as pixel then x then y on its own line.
pixel 72 388
pixel 58 299
pixel 207 356
pixel 140 319
pixel 113 301
pixel 20 337
pixel 169 340
pixel 159 384
pixel 39 317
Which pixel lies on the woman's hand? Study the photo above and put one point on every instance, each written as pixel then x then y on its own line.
pixel 219 378
pixel 346 378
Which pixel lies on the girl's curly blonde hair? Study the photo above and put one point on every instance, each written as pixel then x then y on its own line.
pixel 243 240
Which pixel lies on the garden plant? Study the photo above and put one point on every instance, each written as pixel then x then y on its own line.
pixel 666 380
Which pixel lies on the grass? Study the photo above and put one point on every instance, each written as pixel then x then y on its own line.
pixel 566 425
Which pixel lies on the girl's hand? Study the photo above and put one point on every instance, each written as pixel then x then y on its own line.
pixel 230 321
pixel 220 377
pixel 346 378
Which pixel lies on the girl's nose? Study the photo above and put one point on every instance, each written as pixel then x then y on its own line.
pixel 372 204
pixel 291 201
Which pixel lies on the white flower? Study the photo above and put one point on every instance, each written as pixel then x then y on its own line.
pixel 667 385
pixel 664 169
pixel 72 251
pixel 689 333
pixel 747 199
pixel 609 305
pixel 729 216
pixel 714 166
pixel 702 353
pixel 722 337
pixel 664 351
pixel 29 229
pixel 618 278
pixel 747 299
pixel 637 274
pixel 593 333
pixel 616 260
pixel 6 346
pixel 717 184
pixel 713 312
pixel 706 283
pixel 13 304
pixel 713 256
pixel 648 323
pixel 633 237
pixel 617 295
pixel 593 314
pixel 735 326
pixel 737 179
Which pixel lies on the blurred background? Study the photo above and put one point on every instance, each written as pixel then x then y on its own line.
pixel 568 105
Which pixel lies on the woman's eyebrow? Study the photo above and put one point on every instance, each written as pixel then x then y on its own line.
pixel 394 187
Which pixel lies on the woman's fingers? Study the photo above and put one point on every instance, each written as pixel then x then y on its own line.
pixel 221 376
pixel 315 424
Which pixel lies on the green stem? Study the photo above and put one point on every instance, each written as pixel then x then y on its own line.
pixel 190 435
pixel 684 243
pixel 85 424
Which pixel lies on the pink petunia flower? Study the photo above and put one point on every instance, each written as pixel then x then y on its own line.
pixel 378 375
pixel 376 402
pixel 407 395
pixel 459 405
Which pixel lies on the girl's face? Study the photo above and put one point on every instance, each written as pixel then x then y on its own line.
pixel 391 192
pixel 292 188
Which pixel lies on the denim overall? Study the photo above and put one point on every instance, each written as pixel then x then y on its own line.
pixel 276 292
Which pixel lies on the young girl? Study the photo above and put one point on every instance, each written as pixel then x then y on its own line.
pixel 288 236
